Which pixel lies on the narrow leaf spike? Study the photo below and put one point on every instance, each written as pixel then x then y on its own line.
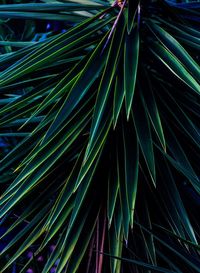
pixel 176 48
pixel 131 161
pixel 143 131
pixel 131 54
pixel 123 190
pixel 83 82
pixel 175 66
pixel 118 99
pixel 106 83
pixel 149 102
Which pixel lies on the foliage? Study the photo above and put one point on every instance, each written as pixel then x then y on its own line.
pixel 100 137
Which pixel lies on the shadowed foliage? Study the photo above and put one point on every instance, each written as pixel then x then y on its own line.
pixel 100 136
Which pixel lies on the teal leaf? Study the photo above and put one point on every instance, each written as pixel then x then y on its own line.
pixel 131 55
